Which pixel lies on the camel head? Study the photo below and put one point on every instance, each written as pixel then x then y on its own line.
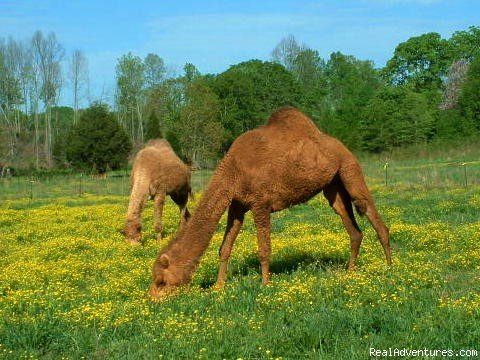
pixel 165 277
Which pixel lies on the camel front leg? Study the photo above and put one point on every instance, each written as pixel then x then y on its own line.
pixel 261 217
pixel 234 224
pixel 159 203
pixel 133 226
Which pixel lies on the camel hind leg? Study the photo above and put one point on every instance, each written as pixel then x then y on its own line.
pixel 261 217
pixel 354 182
pixel 340 202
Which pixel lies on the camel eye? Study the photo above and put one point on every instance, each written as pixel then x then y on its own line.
pixel 160 283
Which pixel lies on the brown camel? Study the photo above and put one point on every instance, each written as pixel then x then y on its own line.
pixel 283 163
pixel 157 172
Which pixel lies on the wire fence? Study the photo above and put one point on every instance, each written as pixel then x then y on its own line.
pixel 445 174
pixel 76 185
pixel 390 175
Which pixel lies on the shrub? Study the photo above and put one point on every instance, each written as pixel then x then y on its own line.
pixel 97 143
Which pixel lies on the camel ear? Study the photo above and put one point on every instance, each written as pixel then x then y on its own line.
pixel 164 261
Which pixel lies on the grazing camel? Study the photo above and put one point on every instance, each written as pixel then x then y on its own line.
pixel 283 163
pixel 157 172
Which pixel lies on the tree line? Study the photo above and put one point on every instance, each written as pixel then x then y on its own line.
pixel 428 91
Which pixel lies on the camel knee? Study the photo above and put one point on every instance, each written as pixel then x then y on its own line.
pixel 361 206
pixel 224 253
pixel 357 238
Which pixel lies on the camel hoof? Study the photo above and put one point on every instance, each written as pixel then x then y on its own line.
pixel 133 242
pixel 351 268
pixel 218 286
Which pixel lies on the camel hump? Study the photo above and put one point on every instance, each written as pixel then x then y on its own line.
pixel 290 117
pixel 158 143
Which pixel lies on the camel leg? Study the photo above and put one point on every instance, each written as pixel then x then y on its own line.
pixel 133 226
pixel 340 202
pixel 181 200
pixel 234 224
pixel 261 217
pixel 159 203
pixel 381 229
pixel 354 183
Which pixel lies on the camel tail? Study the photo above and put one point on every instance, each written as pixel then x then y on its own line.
pixel 354 182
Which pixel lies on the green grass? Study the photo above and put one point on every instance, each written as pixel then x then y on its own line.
pixel 71 288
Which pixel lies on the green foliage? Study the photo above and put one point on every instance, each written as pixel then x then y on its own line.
pixel 10 90
pixel 250 91
pixel 351 84
pixel 469 101
pixel 97 142
pixel 452 124
pixel 130 79
pixel 153 130
pixel 191 72
pixel 200 133
pixel 466 44
pixel 396 116
pixel 154 70
pixel 421 61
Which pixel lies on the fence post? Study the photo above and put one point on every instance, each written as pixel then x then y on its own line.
pixel 385 167
pixel 80 185
pixel 464 165
pixel 30 195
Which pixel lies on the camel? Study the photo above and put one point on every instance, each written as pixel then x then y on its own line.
pixel 268 169
pixel 157 171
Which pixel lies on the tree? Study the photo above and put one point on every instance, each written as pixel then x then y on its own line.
pixel 97 142
pixel 10 92
pixel 153 130
pixel 351 83
pixel 130 96
pixel 191 72
pixel 469 101
pixel 396 116
pixel 421 61
pixel 154 69
pixel 200 133
pixel 309 71
pixel 455 77
pixel 78 76
pixel 250 91
pixel 466 44
pixel 286 52
pixel 48 53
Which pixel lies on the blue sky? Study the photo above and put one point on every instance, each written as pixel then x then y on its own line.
pixel 216 34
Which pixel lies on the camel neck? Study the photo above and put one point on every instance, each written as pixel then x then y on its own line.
pixel 189 246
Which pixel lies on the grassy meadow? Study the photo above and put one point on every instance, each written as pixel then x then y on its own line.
pixel 71 288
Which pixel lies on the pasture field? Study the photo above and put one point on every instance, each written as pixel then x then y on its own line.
pixel 71 288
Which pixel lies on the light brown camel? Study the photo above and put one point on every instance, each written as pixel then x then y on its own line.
pixel 157 171
pixel 283 163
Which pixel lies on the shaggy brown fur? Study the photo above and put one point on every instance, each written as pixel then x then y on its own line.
pixel 156 172
pixel 283 163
